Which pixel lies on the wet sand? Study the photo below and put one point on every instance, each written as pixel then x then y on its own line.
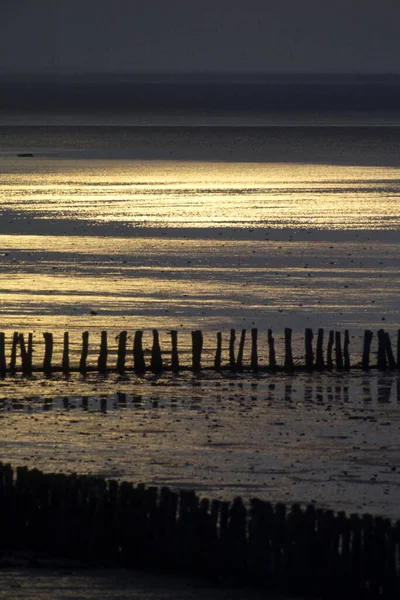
pixel 332 440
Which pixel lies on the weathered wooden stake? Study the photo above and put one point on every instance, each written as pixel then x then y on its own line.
pixel 121 351
pixel 138 356
pixel 24 356
pixel 3 366
pixel 338 351
pixel 346 353
pixel 271 347
pixel 366 349
pixel 30 352
pixel 174 354
pixel 156 360
pixel 48 352
pixel 308 338
pixel 102 361
pixel 65 356
pixel 254 350
pixel 218 352
pixel 382 363
pixel 239 362
pixel 85 352
pixel 329 361
pixel 398 349
pixel 319 362
pixel 288 364
pixel 232 362
pixel 389 352
pixel 13 361
pixel 197 347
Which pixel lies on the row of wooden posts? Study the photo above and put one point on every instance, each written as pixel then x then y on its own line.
pixel 297 550
pixel 336 356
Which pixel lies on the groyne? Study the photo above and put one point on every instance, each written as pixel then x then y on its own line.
pixel 301 550
pixel 241 351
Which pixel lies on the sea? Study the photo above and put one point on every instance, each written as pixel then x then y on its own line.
pixel 199 221
pixel 212 221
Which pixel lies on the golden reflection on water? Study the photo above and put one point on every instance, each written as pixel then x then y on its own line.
pixel 204 194
pixel 56 282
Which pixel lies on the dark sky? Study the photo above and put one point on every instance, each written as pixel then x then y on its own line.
pixel 317 36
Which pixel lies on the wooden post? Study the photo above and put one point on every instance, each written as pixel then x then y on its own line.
pixel 65 356
pixel 338 351
pixel 366 349
pixel 271 347
pixel 382 364
pixel 329 361
pixel 121 352
pixel 319 363
pixel 48 352
pixel 102 361
pixel 232 362
pixel 174 354
pixel 254 350
pixel 85 352
pixel 346 353
pixel 30 352
pixel 13 361
pixel 389 352
pixel 239 362
pixel 197 347
pixel 218 352
pixel 308 338
pixel 156 359
pixel 24 356
pixel 398 349
pixel 3 366
pixel 288 365
pixel 138 356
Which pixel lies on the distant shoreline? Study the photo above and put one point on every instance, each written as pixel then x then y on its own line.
pixel 200 91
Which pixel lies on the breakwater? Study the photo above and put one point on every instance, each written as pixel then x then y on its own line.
pixel 321 353
pixel 294 549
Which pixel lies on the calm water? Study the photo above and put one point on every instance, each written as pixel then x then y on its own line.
pixel 203 226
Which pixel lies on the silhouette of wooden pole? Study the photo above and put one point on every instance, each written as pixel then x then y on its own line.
pixel 254 350
pixel 366 349
pixel 271 351
pixel 197 347
pixel 13 360
pixel 389 352
pixel 346 353
pixel 308 338
pixel 121 357
pixel 48 352
pixel 30 353
pixel 319 362
pixel 329 361
pixel 139 364
pixel 3 366
pixel 24 355
pixel 218 352
pixel 174 354
pixel 382 364
pixel 398 349
pixel 102 361
pixel 84 353
pixel 288 364
pixel 239 362
pixel 338 351
pixel 232 362
pixel 65 355
pixel 156 365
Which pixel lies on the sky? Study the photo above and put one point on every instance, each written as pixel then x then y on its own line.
pixel 222 36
